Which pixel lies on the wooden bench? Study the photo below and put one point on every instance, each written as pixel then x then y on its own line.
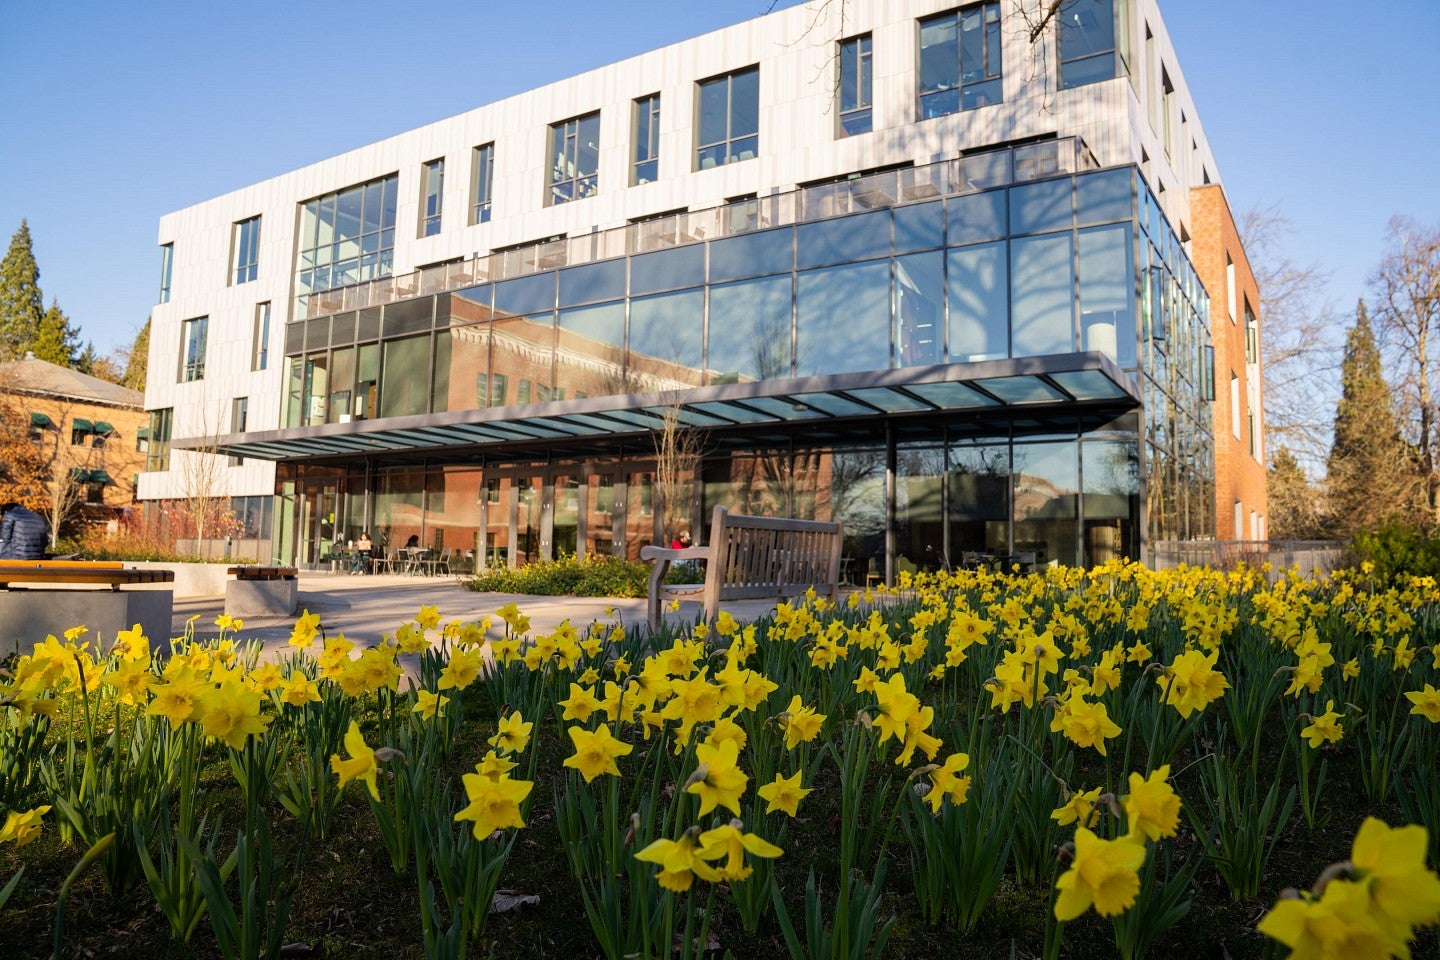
pixel 751 558
pixel 260 590
pixel 48 601
pixel 110 573
pixel 255 572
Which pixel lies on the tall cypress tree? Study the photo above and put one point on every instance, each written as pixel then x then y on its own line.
pixel 1372 474
pixel 137 360
pixel 21 306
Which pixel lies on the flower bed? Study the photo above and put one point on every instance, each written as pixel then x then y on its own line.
pixel 1090 765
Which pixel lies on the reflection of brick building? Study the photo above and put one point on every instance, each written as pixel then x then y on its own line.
pixel 970 311
pixel 94 432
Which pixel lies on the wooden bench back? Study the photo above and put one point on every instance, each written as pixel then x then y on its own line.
pixel 760 557
pixel 61 565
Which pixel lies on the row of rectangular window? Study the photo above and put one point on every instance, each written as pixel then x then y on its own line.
pixel 960 69
pixel 194 337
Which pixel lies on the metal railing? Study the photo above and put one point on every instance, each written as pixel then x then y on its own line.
pixel 967 174
pixel 1319 556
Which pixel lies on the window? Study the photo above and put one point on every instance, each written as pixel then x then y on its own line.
pixel 432 188
pixel 1253 434
pixel 1252 336
pixel 192 357
pixel 142 440
pixel 960 60
pixel 246 245
pixel 855 85
pixel 260 349
pixel 575 158
pixel 100 432
pixel 646 168
pixel 729 128
pixel 80 431
pixel 482 184
pixel 1230 284
pixel 346 237
pixel 94 491
pixel 1167 112
pixel 167 265
pixel 1239 521
pixel 1234 404
pixel 239 416
pixel 158 456
pixel 1087 41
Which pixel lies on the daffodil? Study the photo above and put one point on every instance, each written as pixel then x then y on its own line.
pixel 361 764
pixel 1426 703
pixel 462 670
pixel 946 782
pixel 1082 807
pixel 800 723
pixel 731 843
pixel 595 752
pixel 784 794
pixel 679 861
pixel 305 631
pixel 1323 728
pixel 1390 863
pixel 718 781
pixel 1191 682
pixel 21 828
pixel 512 734
pixel 429 705
pixel 1152 807
pixel 1338 924
pixel 1104 874
pixel 494 802
pixel 299 690
pixel 231 711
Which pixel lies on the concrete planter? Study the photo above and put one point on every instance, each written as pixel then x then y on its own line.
pixel 192 580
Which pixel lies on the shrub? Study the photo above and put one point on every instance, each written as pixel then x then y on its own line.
pixel 1396 550
pixel 595 576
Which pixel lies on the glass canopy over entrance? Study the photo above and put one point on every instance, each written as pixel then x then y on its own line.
pixel 989 392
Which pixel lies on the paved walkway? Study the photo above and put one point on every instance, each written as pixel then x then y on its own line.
pixel 365 608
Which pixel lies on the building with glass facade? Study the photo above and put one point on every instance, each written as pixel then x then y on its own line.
pixel 909 270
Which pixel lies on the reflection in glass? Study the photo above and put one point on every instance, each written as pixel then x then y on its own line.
pixel 919 508
pixel 1111 499
pixel 753 255
pixel 750 330
pixel 1046 481
pixel 919 310
pixel 590 350
pixel 1041 296
pixel 404 390
pixel 979 487
pixel 843 318
pixel 1044 205
pixel 979 291
pixel 977 216
pixel 1107 318
pixel 843 239
pixel 668 269
pixel 665 337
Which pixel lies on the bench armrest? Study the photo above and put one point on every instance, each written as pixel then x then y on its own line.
pixel 665 553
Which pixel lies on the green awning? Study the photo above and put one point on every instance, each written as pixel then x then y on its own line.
pixel 78 475
pixel 81 425
pixel 103 428
pixel 143 433
pixel 39 420
pixel 100 476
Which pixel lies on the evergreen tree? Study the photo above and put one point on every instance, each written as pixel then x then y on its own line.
pixel 21 304
pixel 1372 474
pixel 138 360
pixel 1295 508
pixel 56 340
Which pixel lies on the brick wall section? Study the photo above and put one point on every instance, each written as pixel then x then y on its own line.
pixel 1239 475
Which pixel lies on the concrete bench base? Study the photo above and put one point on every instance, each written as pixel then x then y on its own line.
pixel 26 616
pixel 261 598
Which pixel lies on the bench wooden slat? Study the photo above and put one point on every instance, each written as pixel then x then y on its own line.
pixel 754 558
pixel 8 565
pixel 112 577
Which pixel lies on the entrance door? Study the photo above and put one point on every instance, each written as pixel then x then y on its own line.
pixel 317 528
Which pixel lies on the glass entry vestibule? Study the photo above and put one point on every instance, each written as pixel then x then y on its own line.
pixel 921 499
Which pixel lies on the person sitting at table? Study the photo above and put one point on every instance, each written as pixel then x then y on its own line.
pixel 364 547
pixel 413 543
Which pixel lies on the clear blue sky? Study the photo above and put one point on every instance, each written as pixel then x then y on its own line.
pixel 115 113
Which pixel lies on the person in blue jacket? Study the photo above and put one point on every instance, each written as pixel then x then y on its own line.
pixel 23 534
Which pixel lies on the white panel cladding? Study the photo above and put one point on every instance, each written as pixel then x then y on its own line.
pixel 796 50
